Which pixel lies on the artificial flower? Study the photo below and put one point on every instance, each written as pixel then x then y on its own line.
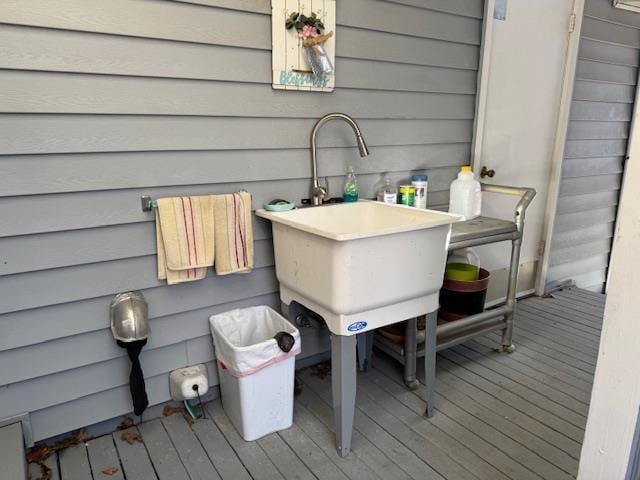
pixel 308 31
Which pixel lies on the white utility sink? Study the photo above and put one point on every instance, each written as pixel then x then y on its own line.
pixel 361 265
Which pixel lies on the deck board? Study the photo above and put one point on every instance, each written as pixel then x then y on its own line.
pixel 369 428
pixel 374 385
pixel 527 315
pixel 164 457
pixel 475 443
pixel 536 354
pixel 74 463
pixel 104 460
pixel 557 371
pixel 220 452
pixel 426 448
pixel 194 458
pixel 522 404
pixel 528 371
pixel 352 466
pixel 505 409
pixel 548 398
pixel 133 456
pixel 363 449
pixel 498 417
pixel 284 458
pixel 313 457
pixel 251 454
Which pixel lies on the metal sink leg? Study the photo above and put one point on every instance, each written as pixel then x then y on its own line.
pixel 343 386
pixel 430 346
pixel 410 353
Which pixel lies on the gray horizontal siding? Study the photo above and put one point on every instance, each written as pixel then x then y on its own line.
pixel 571 238
pixel 463 8
pixel 121 17
pixel 47 133
pixel 39 325
pixel 64 51
pixel 46 213
pixel 587 202
pixel 596 145
pixel 606 53
pixel 102 102
pixel 47 92
pixel 77 173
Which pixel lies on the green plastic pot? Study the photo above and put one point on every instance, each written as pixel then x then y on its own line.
pixel 461 272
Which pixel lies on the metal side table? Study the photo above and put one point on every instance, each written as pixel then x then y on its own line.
pixel 479 231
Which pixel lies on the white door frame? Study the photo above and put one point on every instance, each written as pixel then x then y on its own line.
pixel 486 44
pixel 562 126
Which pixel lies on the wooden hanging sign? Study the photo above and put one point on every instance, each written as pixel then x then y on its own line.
pixel 303 38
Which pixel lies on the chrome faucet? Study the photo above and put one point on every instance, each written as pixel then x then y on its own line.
pixel 320 193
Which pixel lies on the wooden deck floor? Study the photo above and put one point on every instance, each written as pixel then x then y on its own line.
pixel 519 416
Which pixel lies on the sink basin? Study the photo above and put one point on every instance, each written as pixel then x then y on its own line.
pixel 361 265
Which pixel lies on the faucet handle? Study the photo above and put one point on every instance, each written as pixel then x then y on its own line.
pixel 327 195
pixel 320 193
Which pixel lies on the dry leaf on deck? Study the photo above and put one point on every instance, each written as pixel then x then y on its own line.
pixel 110 471
pixel 131 437
pixel 45 472
pixel 39 454
pixel 126 423
pixel 321 370
pixel 170 410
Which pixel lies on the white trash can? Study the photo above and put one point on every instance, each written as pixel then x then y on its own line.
pixel 256 375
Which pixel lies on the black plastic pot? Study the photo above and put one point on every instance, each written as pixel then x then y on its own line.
pixel 459 299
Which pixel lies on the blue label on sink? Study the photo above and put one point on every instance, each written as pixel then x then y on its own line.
pixel 354 327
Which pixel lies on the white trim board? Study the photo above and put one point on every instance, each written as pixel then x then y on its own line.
pixel 562 126
pixel 610 432
pixel 483 85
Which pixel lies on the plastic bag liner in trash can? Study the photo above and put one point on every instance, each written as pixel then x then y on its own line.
pixel 244 339
pixel 256 363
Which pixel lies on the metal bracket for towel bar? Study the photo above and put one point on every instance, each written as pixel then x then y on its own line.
pixel 148 203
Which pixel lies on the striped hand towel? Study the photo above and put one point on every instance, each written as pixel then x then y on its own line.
pixel 234 233
pixel 185 238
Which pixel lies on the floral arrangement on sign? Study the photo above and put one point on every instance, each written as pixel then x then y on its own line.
pixel 310 31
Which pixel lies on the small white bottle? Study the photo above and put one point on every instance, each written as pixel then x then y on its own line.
pixel 388 193
pixel 465 197
pixel 420 182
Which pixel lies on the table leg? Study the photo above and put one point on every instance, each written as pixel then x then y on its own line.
pixel 410 354
pixel 343 385
pixel 512 287
pixel 430 343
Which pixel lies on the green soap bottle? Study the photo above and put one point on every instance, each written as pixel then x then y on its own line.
pixel 350 186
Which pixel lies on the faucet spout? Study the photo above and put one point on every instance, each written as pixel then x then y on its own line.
pixel 320 193
pixel 362 146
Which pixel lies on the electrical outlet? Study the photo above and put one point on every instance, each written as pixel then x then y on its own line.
pixel 183 380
